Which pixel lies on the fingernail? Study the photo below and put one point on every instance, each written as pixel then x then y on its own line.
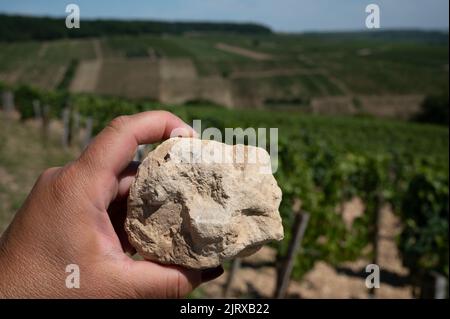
pixel 212 273
pixel 183 131
pixel 193 133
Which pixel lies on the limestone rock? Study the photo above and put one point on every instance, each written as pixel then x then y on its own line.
pixel 196 203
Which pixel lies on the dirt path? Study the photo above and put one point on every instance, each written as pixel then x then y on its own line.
pixel 244 52
pixel 178 80
pixel 57 77
pixel 88 72
pixel 43 50
pixel 177 69
pixel 131 78
pixel 273 73
pixel 97 49
pixel 12 76
pixel 389 256
pixel 338 83
pixel 86 76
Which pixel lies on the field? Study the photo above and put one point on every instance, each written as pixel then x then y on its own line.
pixel 41 64
pixel 295 71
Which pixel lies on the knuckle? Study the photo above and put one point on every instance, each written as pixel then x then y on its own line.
pixel 119 122
pixel 53 184
pixel 48 174
pixel 86 161
pixel 62 181
pixel 164 113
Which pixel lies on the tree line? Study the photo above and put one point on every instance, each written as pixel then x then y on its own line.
pixel 22 28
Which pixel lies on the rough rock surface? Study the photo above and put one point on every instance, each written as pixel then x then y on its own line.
pixel 196 203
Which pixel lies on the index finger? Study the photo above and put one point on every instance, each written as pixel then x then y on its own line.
pixel 114 147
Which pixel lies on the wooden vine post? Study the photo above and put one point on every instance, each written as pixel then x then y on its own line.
pixel 235 265
pixel 66 131
pixel 88 132
pixel 8 102
pixel 376 235
pixel 287 265
pixel 45 122
pixel 37 110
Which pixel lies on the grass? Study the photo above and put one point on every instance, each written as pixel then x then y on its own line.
pixel 13 55
pixel 22 158
pixel 64 51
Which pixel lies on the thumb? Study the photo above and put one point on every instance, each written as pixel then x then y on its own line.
pixel 152 280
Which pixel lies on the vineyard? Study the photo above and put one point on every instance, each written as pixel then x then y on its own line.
pixel 323 163
pixel 363 73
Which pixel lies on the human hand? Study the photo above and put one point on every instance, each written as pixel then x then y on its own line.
pixel 75 215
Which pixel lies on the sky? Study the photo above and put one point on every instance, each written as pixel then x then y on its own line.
pixel 280 15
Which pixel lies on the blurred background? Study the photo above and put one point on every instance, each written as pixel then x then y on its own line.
pixel 362 117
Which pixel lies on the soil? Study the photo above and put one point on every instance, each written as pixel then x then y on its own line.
pixel 88 72
pixel 392 106
pixel 244 52
pixel 131 78
pixel 180 83
pixel 386 106
pixel 86 76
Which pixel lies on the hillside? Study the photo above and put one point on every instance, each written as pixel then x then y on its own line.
pixel 363 73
